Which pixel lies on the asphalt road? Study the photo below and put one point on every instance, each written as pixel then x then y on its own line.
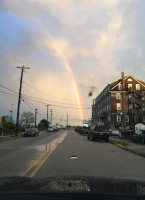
pixel 67 153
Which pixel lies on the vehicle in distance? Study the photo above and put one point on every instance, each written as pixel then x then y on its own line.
pixel 50 129
pixel 98 133
pixel 55 128
pixel 31 132
pixel 139 136
pixel 84 130
pixel 113 131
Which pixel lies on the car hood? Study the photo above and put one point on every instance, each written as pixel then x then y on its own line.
pixel 69 184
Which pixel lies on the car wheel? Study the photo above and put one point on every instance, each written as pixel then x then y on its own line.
pixel 133 139
pixel 91 138
pixel 106 140
pixel 143 141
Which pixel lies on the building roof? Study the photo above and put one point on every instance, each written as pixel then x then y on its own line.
pixel 119 81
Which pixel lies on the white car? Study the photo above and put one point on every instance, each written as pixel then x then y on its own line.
pixel 114 132
pixel 50 129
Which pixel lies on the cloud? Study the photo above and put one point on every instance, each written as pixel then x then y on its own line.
pixel 98 39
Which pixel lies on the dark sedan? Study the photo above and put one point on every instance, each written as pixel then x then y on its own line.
pixel 31 132
pixel 84 130
pixel 139 137
pixel 98 133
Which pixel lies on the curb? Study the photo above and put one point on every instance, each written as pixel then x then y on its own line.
pixel 126 149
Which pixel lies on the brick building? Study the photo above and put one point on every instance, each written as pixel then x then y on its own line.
pixel 121 103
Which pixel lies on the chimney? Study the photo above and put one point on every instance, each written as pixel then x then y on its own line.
pixel 123 101
pixel 123 82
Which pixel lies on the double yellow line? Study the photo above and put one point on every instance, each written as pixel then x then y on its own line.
pixel 43 159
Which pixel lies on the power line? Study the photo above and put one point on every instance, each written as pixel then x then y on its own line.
pixel 59 106
pixel 8 93
pixel 8 89
pixel 51 101
pixel 28 105
pixel 45 92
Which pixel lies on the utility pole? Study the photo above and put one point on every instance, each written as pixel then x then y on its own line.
pixel 19 98
pixel 35 117
pixel 47 111
pixel 67 119
pixel 51 116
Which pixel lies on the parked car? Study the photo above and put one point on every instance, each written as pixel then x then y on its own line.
pixel 78 128
pixel 55 128
pixel 50 129
pixel 98 133
pixel 113 131
pixel 84 130
pixel 31 132
pixel 139 136
pixel 128 133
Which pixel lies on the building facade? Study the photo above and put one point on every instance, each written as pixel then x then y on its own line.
pixel 121 103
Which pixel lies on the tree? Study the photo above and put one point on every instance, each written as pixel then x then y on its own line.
pixel 7 123
pixel 5 119
pixel 27 118
pixel 43 123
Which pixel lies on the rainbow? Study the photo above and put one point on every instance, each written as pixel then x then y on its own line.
pixel 74 81
pixel 69 68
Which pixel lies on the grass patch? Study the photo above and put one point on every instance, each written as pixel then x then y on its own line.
pixel 10 136
pixel 116 142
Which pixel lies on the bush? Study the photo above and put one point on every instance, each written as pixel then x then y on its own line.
pixel 1 126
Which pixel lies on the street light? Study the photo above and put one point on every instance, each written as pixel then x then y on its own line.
pixel 11 112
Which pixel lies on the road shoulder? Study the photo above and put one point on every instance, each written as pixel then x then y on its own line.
pixel 136 148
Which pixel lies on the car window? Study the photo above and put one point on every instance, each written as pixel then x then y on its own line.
pixel 99 128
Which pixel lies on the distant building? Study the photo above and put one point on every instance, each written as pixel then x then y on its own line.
pixel 121 103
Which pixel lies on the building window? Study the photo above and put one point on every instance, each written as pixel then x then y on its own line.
pixel 130 106
pixel 117 95
pixel 118 118
pixel 129 86
pixel 107 108
pixel 118 106
pixel 119 86
pixel 129 79
pixel 137 86
pixel 109 119
pixel 127 118
pixel 136 118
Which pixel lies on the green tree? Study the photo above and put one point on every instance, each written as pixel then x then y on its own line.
pixel 27 118
pixel 5 119
pixel 41 126
pixel 1 126
pixel 44 122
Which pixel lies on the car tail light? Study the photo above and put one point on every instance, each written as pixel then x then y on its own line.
pixel 93 132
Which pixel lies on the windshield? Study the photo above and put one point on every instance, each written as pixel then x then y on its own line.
pixel 70 68
pixel 100 128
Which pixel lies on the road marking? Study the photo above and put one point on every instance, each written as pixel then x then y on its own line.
pixel 34 163
pixel 119 145
pixel 47 156
pixel 44 156
pixel 42 162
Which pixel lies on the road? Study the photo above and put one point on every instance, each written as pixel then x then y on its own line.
pixel 67 153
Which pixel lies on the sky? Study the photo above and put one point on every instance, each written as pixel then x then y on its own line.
pixel 69 45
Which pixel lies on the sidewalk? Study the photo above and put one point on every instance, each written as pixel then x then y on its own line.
pixel 128 145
